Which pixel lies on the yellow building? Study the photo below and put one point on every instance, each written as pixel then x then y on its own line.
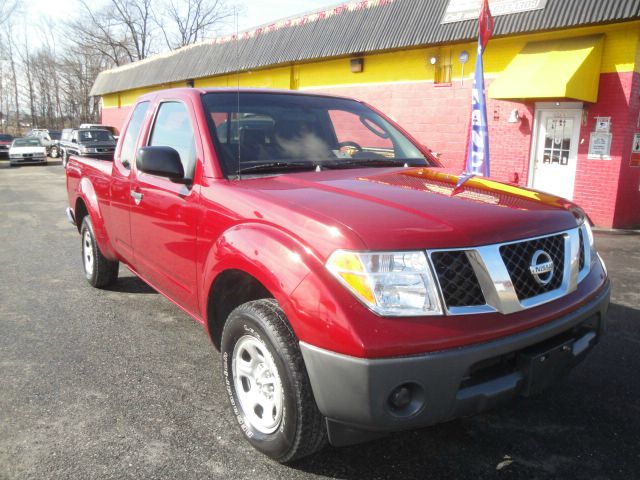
pixel 562 77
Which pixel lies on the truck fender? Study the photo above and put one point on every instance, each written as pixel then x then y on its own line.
pixel 86 192
pixel 274 258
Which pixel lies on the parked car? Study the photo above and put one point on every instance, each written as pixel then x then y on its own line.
pixel 26 151
pixel 97 143
pixel 36 132
pixel 48 138
pixel 53 144
pixel 65 138
pixel 352 286
pixel 5 144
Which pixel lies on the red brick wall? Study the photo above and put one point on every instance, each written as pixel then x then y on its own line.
pixel 115 117
pixel 438 116
pixel 627 212
pixel 597 181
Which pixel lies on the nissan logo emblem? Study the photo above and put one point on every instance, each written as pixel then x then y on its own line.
pixel 541 267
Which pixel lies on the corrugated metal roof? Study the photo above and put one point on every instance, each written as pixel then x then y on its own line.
pixel 388 26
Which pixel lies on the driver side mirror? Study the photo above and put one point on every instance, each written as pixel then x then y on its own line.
pixel 73 140
pixel 161 161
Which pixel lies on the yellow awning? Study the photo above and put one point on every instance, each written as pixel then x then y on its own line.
pixel 567 68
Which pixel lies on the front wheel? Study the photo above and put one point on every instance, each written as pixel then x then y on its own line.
pixel 99 270
pixel 53 153
pixel 268 385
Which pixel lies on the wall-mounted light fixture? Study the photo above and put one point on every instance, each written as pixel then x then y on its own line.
pixel 514 117
pixel 190 83
pixel 357 65
pixel 433 60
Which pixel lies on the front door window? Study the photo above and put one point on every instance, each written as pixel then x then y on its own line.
pixel 557 141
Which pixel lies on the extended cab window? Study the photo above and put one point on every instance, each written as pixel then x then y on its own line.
pixel 172 128
pixel 130 139
pixel 277 132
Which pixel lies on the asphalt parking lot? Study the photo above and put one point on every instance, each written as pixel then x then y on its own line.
pixel 123 384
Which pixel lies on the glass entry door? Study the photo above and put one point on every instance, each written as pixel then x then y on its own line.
pixel 556 151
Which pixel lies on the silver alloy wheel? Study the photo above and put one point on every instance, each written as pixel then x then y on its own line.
pixel 257 384
pixel 87 252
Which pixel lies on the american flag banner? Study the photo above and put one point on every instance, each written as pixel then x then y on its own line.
pixel 478 148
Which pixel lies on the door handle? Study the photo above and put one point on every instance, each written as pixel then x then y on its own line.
pixel 137 196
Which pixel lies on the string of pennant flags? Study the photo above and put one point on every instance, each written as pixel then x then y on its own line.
pixel 302 20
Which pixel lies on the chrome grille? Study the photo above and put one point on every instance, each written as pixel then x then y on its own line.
pixel 458 281
pixel 517 258
pixel 499 277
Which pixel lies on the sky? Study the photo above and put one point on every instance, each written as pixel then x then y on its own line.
pixel 253 12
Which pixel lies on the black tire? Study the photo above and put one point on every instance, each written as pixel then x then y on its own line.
pixel 301 430
pixel 53 153
pixel 98 270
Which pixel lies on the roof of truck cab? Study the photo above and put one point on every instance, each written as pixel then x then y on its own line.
pixel 167 93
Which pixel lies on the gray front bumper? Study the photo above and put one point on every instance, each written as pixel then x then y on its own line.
pixel 353 393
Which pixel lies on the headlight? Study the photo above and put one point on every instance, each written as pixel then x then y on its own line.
pixel 595 256
pixel 590 241
pixel 590 238
pixel 395 284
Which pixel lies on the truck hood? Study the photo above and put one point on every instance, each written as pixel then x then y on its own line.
pixel 417 208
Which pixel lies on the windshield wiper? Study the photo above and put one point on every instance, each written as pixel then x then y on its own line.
pixel 364 162
pixel 275 167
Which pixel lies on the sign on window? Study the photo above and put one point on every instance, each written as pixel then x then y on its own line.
pixel 600 146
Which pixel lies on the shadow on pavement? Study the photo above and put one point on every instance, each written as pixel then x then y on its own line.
pixel 131 285
pixel 586 426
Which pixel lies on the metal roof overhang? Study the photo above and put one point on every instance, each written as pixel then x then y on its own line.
pixel 568 68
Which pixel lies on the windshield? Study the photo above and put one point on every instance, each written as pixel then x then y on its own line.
pixel 26 142
pixel 95 136
pixel 275 132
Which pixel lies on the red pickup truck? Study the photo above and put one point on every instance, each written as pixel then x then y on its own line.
pixel 352 286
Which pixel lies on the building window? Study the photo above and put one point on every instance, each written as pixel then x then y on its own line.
pixel 443 68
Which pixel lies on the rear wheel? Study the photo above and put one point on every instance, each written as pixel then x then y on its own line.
pixel 268 385
pixel 53 153
pixel 98 270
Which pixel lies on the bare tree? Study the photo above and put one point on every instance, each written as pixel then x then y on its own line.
pixel 191 20
pixel 25 58
pixel 51 82
pixel 13 70
pixel 121 31
pixel 8 8
pixel 100 33
pixel 136 18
